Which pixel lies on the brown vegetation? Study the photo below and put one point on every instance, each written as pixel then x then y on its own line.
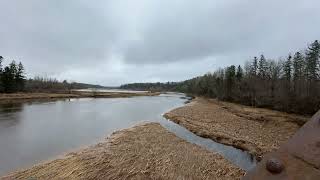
pixel 256 130
pixel 143 152
pixel 14 97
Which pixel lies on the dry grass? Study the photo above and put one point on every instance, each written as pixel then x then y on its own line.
pixel 14 97
pixel 256 130
pixel 261 114
pixel 142 152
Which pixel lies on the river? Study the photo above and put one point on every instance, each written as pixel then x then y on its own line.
pixel 34 132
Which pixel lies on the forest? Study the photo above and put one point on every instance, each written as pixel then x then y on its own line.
pixel 13 79
pixel 290 84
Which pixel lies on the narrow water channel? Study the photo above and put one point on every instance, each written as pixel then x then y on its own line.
pixel 34 132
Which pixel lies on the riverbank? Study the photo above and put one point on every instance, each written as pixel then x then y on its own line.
pixel 255 130
pixel 17 97
pixel 146 151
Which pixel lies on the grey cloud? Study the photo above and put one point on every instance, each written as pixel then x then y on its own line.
pixel 206 28
pixel 112 42
pixel 55 33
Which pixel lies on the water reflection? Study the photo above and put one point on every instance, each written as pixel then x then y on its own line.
pixel 10 107
pixel 32 132
pixel 10 114
pixel 37 131
pixel 242 159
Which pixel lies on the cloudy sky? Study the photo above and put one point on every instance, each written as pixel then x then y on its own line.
pixel 111 42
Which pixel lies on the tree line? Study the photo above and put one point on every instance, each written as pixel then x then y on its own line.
pixel 52 85
pixel 290 84
pixel 12 78
pixel 157 87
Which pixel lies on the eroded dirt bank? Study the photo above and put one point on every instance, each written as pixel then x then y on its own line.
pixel 143 152
pixel 256 130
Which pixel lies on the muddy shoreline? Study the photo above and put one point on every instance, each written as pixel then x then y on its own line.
pixel 255 130
pixel 27 97
pixel 147 151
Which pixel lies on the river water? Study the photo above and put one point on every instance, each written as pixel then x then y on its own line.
pixel 35 132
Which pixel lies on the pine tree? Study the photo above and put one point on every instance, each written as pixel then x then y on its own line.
pixel 13 67
pixel 19 77
pixel 252 85
pixel 12 77
pixel 254 67
pixel 7 79
pixel 311 71
pixel 262 67
pixel 298 66
pixel 312 60
pixel 239 74
pixel 274 75
pixel 230 80
pixel 288 69
pixel 298 72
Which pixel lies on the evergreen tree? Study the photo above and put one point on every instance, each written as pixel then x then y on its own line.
pixel 239 74
pixel 254 67
pixel 298 66
pixel 286 88
pixel 312 60
pixel 220 83
pixel 13 67
pixel 274 75
pixel 7 79
pixel 252 86
pixel 298 72
pixel 13 70
pixel 20 78
pixel 230 80
pixel 262 67
pixel 12 78
pixel 288 69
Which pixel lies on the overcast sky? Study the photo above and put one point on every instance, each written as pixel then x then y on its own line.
pixel 111 42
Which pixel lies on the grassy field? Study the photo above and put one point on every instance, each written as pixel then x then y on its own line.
pixel 147 151
pixel 256 130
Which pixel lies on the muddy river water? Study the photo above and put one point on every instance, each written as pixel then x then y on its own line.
pixel 34 132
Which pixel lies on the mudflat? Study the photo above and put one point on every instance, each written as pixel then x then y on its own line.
pixel 256 130
pixel 147 151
